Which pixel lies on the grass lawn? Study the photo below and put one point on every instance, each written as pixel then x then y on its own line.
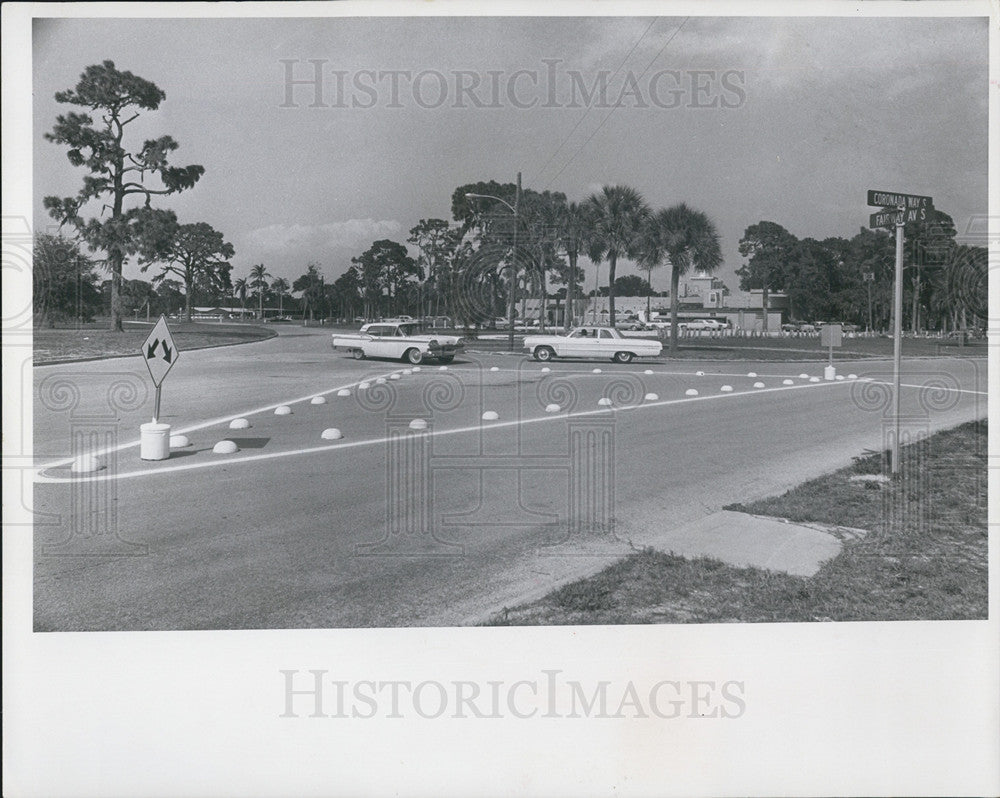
pixel 924 557
pixel 57 345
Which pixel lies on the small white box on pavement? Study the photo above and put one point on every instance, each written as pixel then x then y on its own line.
pixel 830 373
pixel 154 441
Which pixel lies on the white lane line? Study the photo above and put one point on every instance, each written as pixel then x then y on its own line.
pixel 41 478
pixel 935 388
pixel 590 373
pixel 211 423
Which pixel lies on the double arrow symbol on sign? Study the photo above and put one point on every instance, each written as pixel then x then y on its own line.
pixel 168 353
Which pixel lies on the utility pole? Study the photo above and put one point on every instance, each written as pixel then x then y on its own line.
pixel 513 269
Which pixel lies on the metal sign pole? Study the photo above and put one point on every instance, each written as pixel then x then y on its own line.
pixel 156 407
pixel 897 336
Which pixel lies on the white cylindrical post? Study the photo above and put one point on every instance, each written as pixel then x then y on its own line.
pixel 154 441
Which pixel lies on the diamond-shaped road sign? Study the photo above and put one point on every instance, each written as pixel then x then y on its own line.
pixel 159 352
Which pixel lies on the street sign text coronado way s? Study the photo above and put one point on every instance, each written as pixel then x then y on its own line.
pixel 160 354
pixel 886 199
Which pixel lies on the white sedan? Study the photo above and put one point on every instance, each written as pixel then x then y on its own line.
pixel 591 342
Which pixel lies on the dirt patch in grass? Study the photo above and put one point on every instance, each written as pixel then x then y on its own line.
pixel 924 557
pixel 63 346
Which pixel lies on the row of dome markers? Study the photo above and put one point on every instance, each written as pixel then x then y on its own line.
pixel 333 434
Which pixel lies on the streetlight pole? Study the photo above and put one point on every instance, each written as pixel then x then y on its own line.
pixel 512 268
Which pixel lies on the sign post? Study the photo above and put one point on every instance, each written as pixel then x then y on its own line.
pixel 908 208
pixel 160 354
pixel 831 335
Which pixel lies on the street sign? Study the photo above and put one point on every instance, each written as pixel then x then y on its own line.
pixel 159 352
pixel 894 217
pixel 831 335
pixel 886 199
pixel 897 209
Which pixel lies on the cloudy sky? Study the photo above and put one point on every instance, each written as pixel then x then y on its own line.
pixel 786 119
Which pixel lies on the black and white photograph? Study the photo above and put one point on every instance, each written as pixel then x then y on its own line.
pixel 419 398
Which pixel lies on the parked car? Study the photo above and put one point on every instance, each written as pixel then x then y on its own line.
pixel 592 342
pixel 632 324
pixel 702 324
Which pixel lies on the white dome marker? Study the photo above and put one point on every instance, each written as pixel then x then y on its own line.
pixel 407 372
pixel 380 381
pixel 726 388
pixel 788 382
pixel 839 377
pixel 362 386
pixel 690 392
pixel 284 410
pixel 648 371
pixel 553 408
pixel 803 376
pixel 852 376
pixel 86 463
pixel 758 385
pixel 442 368
pixel 596 371
pixel 546 369
pixel 344 392
pixel 494 368
pixel 418 423
pixel 415 369
pixel 331 434
pixel 393 376
pixel 179 441
pixel 651 397
pixel 490 415
pixel 751 373
pixel 318 400
pixel 814 379
pixel 699 374
pixel 225 447
pixel 604 402
pixel 239 423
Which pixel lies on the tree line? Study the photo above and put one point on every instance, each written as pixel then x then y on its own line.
pixel 851 280
pixel 503 244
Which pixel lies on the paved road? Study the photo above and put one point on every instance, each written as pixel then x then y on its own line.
pixel 388 526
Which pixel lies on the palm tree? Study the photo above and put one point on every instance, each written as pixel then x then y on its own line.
pixel 573 229
pixel 258 281
pixel 651 254
pixel 617 215
pixel 240 292
pixel 281 286
pixel 687 238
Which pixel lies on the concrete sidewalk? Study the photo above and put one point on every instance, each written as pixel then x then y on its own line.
pixel 749 540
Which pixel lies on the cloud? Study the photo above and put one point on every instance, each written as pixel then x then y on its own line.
pixel 352 234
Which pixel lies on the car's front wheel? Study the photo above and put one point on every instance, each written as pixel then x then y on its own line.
pixel 359 354
pixel 415 356
pixel 623 357
pixel 544 353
